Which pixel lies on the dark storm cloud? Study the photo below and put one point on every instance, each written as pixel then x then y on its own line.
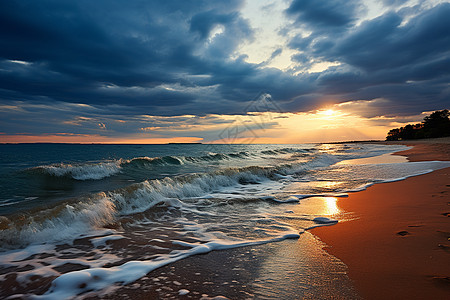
pixel 204 22
pixel 393 2
pixel 383 44
pixel 407 63
pixel 73 49
pixel 157 56
pixel 324 14
pixel 171 58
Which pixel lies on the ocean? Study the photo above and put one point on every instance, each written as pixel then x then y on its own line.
pixel 81 220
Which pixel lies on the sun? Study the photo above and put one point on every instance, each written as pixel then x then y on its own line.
pixel 328 112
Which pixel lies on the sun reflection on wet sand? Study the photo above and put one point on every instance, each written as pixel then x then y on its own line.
pixel 319 206
pixel 301 267
pixel 330 206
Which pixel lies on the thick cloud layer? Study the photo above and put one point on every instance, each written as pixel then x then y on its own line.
pixel 169 58
pixel 407 63
pixel 152 54
pixel 324 14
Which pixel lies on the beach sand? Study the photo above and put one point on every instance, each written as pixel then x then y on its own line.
pixel 399 246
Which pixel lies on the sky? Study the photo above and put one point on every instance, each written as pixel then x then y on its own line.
pixel 255 71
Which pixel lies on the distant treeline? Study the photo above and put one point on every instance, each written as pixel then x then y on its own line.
pixel 435 125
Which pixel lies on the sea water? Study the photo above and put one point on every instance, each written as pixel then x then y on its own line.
pixel 83 218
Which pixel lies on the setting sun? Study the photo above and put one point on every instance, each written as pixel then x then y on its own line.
pixel 329 112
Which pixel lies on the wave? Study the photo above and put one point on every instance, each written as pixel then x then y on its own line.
pixel 93 212
pixel 286 151
pixel 153 161
pixel 97 171
pixel 171 191
pixel 63 222
pixel 181 160
pixel 78 216
pixel 217 156
pixel 88 171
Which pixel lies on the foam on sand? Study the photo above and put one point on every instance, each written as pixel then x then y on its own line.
pixel 183 292
pixel 325 220
pixel 101 241
pixel 322 221
pixel 74 283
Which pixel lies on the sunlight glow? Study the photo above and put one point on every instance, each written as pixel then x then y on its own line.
pixel 331 123
pixel 328 112
pixel 331 207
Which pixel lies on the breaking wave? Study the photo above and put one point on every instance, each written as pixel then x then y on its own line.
pixel 93 212
pixel 89 171
pixel 100 170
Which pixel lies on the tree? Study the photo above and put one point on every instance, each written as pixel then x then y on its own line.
pixel 435 125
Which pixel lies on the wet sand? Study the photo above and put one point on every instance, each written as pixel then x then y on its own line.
pixel 271 271
pixel 399 246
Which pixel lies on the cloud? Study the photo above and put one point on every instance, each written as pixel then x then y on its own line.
pixel 177 58
pixel 393 2
pixel 328 14
pixel 204 22
pixel 384 43
pixel 406 63
pixel 74 49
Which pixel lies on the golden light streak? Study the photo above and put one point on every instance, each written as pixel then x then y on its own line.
pixel 331 207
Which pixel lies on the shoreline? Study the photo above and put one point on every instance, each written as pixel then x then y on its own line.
pixel 398 246
pixel 300 268
pixel 335 270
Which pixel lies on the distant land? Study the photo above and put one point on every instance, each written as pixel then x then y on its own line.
pixel 184 143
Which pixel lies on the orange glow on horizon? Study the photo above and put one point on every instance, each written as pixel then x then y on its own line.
pixel 330 124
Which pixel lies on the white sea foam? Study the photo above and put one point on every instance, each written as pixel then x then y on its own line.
pixel 101 241
pixel 20 254
pixel 288 200
pixel 183 292
pixel 62 223
pixel 94 171
pixel 73 283
pixel 324 220
pixel 220 297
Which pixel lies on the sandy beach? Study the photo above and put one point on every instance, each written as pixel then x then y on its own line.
pixel 398 247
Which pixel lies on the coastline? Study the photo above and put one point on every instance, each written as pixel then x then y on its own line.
pixel 299 268
pixel 398 246
pixel 363 258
